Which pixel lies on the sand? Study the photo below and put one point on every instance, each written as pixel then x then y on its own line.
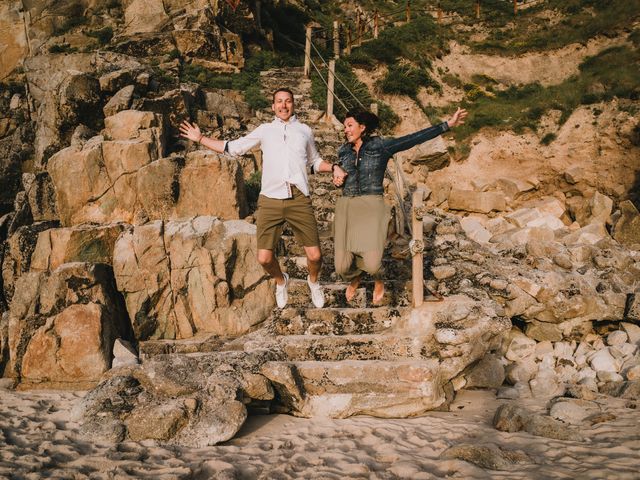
pixel 38 440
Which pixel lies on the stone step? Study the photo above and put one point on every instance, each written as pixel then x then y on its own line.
pixel 397 274
pixel 350 347
pixel 333 321
pixel 352 387
pixel 200 343
pixel 395 291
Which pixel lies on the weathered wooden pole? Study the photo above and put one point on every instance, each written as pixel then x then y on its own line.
pixel 336 39
pixel 376 23
pixel 439 13
pixel 408 11
pixel 358 30
pixel 478 9
pixel 307 52
pixel 417 246
pixel 348 49
pixel 330 84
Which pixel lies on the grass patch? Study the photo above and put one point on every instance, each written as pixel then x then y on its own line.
pixel 582 20
pixel 252 188
pixel 612 73
pixel 548 138
pixel 103 35
pixel 406 80
pixel 247 81
pixel 62 48
pixel 388 119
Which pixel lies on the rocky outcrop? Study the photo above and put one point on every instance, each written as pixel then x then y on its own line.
pixel 121 177
pixel 62 325
pixel 188 400
pixel 183 277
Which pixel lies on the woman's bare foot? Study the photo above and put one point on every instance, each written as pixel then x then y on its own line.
pixel 378 292
pixel 351 289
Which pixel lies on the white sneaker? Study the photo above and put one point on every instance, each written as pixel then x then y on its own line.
pixel 281 292
pixel 317 294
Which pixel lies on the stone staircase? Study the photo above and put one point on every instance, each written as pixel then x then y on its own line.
pixel 348 358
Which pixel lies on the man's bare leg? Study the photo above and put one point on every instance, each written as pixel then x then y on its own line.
pixel 269 262
pixel 314 262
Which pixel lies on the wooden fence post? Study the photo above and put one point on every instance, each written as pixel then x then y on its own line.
pixel 417 247
pixel 307 52
pixel 336 39
pixel 439 13
pixel 348 49
pixel 330 84
pixel 478 9
pixel 376 24
pixel 408 11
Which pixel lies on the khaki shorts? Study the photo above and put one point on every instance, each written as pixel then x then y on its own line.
pixel 296 211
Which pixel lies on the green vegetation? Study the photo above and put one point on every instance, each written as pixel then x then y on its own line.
pixel 252 187
pixel 248 81
pixel 71 22
pixel 548 138
pixel 579 20
pixel 406 80
pixel 103 35
pixel 612 73
pixel 388 119
pixel 62 48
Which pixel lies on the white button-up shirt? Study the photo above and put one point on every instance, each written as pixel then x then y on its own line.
pixel 288 149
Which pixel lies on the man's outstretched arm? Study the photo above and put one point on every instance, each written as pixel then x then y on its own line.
pixel 193 133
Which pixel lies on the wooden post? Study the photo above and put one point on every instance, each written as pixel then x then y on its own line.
pixel 348 49
pixel 439 13
pixel 408 11
pixel 478 9
pixel 330 84
pixel 307 52
pixel 418 247
pixel 358 30
pixel 376 20
pixel 515 7
pixel 336 39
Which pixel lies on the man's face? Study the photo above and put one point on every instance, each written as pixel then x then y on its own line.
pixel 283 105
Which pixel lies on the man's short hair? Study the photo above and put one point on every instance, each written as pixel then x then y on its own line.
pixel 282 89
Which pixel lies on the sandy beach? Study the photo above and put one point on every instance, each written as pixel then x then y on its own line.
pixel 40 441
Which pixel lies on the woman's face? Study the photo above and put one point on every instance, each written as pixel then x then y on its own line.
pixel 353 130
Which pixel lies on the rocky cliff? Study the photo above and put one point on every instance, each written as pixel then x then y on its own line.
pixel 129 256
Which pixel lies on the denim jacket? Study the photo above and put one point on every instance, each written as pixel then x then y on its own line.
pixel 366 168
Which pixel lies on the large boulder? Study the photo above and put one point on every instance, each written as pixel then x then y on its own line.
pixel 63 324
pixel 182 277
pixel 13 41
pixel 81 243
pixel 627 228
pixel 124 178
pixel 176 399
pixel 17 254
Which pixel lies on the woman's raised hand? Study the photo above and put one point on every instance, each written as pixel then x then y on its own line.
pixel 457 118
pixel 190 131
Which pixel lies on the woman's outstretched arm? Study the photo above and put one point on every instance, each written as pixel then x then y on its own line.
pixel 395 145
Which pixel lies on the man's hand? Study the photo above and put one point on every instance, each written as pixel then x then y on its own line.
pixel 339 176
pixel 190 131
pixel 457 118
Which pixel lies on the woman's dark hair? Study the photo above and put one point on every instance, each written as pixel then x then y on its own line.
pixel 366 118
